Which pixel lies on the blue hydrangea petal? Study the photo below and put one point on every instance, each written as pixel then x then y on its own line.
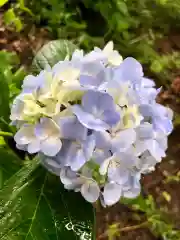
pixel 89 146
pixel 118 175
pixel 132 188
pixel 129 70
pixel 97 100
pixel 103 140
pixel 110 117
pixel 71 128
pixel 78 161
pixel 155 149
pixel 163 124
pixel 88 120
pixel 146 82
pixel 99 156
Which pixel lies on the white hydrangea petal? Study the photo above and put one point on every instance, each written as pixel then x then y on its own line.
pixel 90 191
pixel 112 193
pixel 108 48
pixel 104 166
pixel 51 146
pixel 69 74
pixel 25 135
pixel 67 176
pixel 34 146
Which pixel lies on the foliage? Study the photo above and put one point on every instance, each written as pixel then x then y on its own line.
pixel 133 25
pixel 12 17
pixel 51 53
pixel 158 221
pixel 33 204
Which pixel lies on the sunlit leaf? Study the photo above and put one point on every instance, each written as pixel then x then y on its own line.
pixel 10 18
pixel 2 2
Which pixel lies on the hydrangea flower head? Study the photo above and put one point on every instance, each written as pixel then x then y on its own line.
pixel 94 121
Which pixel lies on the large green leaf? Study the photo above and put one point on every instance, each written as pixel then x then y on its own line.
pixel 51 53
pixel 35 206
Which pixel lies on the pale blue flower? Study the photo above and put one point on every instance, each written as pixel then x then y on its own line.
pixel 32 83
pixel 80 182
pixel 118 166
pixel 96 81
pixel 112 193
pixel 79 152
pixel 97 111
pixel 94 121
pixel 111 56
pixel 71 128
pixel 159 116
pixel 129 70
pixel 132 188
pixel 90 191
pixel 118 141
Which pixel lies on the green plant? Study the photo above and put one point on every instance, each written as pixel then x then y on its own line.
pixel 33 204
pixel 12 17
pixel 157 221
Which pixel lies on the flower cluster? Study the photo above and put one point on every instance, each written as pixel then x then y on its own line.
pixel 94 121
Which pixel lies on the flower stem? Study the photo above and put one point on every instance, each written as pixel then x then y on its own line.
pixel 6 134
pixel 126 229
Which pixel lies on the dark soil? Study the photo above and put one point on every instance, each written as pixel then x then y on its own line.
pixel 26 44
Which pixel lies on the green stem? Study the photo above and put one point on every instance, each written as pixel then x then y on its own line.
pixel 6 134
pixel 94 226
pixel 126 229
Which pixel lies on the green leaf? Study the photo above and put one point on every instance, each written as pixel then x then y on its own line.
pixel 34 205
pixel 4 101
pixel 7 59
pixel 122 7
pixel 10 18
pixel 2 2
pixel 51 53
